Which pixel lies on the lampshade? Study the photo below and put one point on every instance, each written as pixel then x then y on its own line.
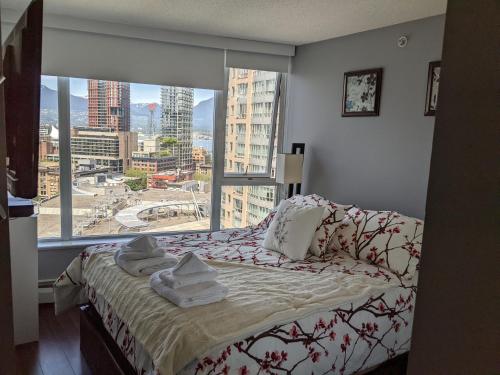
pixel 289 168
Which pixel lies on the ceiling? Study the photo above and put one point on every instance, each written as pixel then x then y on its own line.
pixel 283 21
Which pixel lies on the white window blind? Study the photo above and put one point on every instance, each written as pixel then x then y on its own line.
pixel 257 61
pixel 87 55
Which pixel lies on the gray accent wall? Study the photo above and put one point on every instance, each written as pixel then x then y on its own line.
pixel 375 162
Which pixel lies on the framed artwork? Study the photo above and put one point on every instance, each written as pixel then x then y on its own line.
pixel 362 89
pixel 432 88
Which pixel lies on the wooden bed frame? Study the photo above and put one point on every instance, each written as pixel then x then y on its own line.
pixel 103 355
pixel 98 347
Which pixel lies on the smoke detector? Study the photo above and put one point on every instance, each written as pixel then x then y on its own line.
pixel 402 41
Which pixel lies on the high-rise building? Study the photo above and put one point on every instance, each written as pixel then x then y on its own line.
pixel 251 95
pixel 108 148
pixel 108 139
pixel 177 124
pixel 109 105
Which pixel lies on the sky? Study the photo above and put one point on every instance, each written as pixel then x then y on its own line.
pixel 139 93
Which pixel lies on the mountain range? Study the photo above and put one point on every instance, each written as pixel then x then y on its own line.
pixel 139 112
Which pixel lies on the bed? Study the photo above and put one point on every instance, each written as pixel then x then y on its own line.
pixel 361 321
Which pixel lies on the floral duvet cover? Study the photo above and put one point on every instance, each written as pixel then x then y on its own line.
pixel 347 339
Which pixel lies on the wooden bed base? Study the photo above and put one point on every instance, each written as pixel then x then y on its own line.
pixel 105 357
pixel 98 347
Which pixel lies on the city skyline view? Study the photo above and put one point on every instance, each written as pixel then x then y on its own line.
pixel 141 155
pixel 113 171
pixel 140 93
pixel 139 113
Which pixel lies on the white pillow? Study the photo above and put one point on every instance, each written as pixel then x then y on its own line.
pixel 292 229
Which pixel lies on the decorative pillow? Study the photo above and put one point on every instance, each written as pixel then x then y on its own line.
pixel 332 217
pixel 292 229
pixel 264 224
pixel 384 238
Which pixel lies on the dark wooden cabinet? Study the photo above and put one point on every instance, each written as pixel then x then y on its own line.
pixel 7 362
pixel 456 325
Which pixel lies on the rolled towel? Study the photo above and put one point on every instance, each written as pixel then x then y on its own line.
pixel 192 295
pixel 190 270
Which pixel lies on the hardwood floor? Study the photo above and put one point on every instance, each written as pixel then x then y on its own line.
pixel 58 351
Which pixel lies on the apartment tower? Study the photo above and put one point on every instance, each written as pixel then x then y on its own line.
pixel 248 132
pixel 177 124
pixel 107 140
pixel 109 105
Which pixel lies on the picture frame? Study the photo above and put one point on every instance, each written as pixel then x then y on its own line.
pixel 431 98
pixel 362 92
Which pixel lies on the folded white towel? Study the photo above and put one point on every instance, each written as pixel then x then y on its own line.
pixel 144 242
pixel 192 295
pixel 141 247
pixel 190 270
pixel 190 263
pixel 147 266
pixel 141 256
pixel 126 254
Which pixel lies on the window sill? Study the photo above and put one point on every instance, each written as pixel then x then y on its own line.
pixel 81 243
pixel 75 244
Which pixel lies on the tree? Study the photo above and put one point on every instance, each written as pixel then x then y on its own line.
pixel 168 141
pixel 136 185
pixel 139 181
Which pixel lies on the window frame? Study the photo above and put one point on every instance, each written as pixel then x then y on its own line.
pixel 64 122
pixel 279 92
pixel 219 177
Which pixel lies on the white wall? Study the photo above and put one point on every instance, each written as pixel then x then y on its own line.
pixel 375 162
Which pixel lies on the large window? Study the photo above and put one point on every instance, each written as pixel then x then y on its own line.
pixel 118 158
pixel 140 158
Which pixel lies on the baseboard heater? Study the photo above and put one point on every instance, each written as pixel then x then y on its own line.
pixel 45 291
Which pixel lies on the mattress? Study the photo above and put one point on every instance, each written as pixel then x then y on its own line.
pixel 345 338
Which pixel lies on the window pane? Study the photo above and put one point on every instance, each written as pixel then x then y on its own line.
pixel 141 157
pixel 47 202
pixel 242 206
pixel 250 102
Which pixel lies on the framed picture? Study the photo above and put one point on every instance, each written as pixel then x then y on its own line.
pixel 361 95
pixel 432 88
